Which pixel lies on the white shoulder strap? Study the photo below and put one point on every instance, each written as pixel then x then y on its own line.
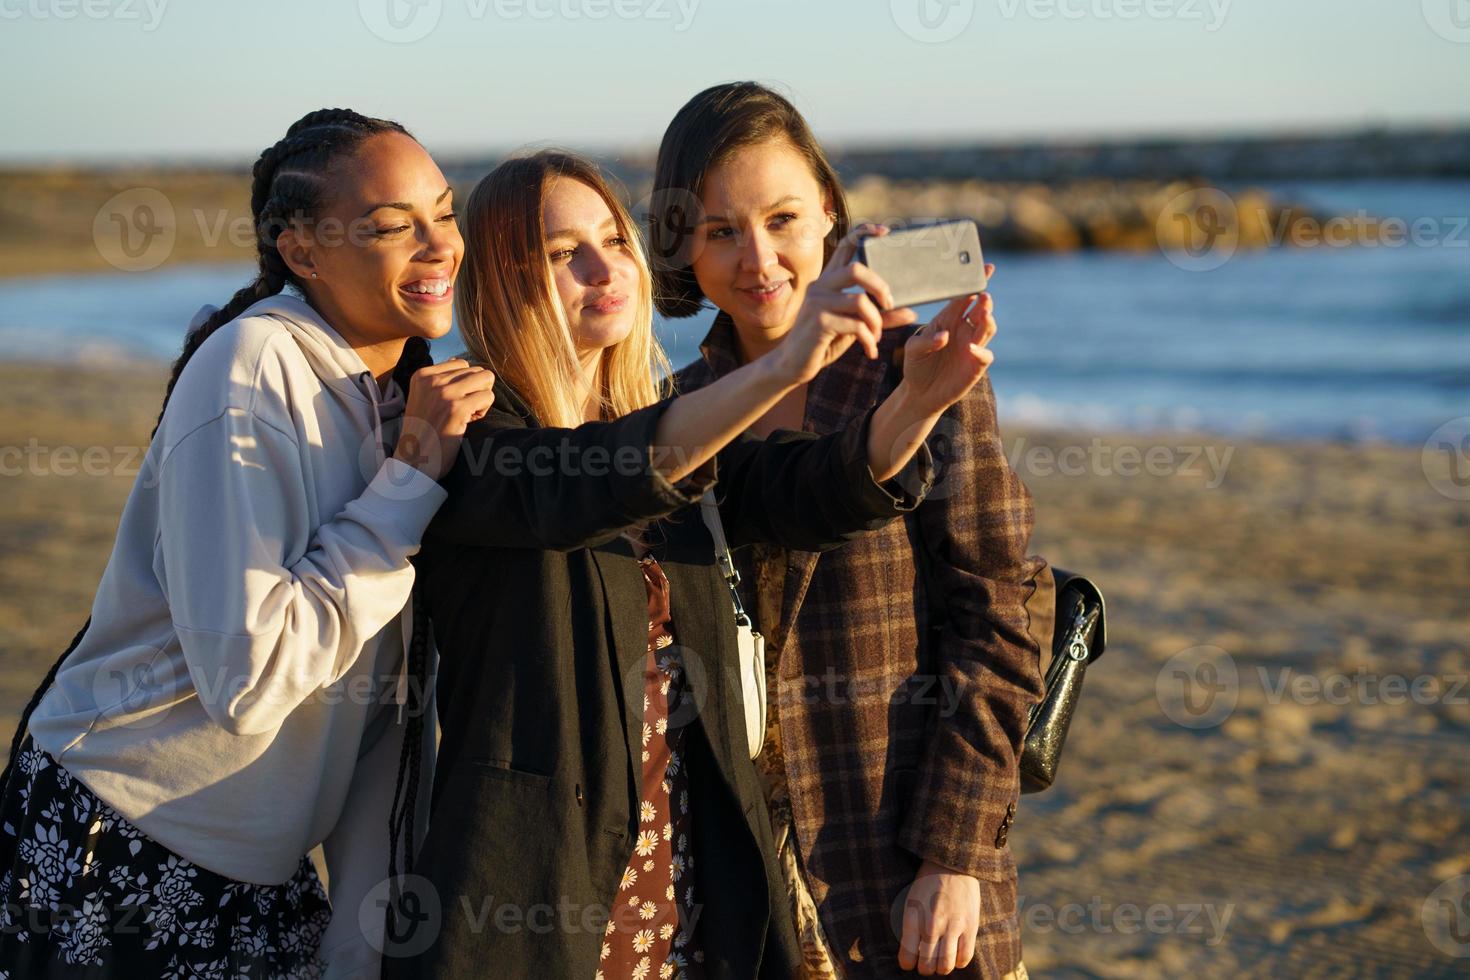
pixel 711 513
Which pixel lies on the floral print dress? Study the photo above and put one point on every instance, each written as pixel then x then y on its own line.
pixel 85 894
pixel 651 933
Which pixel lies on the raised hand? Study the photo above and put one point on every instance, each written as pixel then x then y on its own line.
pixel 831 320
pixel 443 399
pixel 946 357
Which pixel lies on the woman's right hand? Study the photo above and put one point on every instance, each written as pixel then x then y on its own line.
pixel 831 320
pixel 443 399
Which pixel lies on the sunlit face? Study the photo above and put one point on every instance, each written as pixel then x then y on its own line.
pixel 386 248
pixel 592 264
pixel 760 244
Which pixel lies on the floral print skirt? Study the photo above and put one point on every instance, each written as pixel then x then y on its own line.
pixel 87 895
pixel 653 930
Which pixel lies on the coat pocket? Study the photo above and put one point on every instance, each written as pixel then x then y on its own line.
pixel 503 770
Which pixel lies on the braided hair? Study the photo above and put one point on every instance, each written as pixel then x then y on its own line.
pixel 287 183
pixel 279 195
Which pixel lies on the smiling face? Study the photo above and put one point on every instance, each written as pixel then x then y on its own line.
pixel 593 270
pixel 385 248
pixel 761 242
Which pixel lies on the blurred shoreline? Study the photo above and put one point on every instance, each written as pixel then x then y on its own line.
pixel 1309 831
pixel 1128 195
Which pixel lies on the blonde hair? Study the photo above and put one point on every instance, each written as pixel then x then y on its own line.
pixel 508 310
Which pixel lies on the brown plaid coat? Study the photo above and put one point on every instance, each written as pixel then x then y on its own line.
pixel 901 734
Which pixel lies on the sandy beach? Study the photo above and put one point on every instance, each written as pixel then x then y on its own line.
pixel 1298 833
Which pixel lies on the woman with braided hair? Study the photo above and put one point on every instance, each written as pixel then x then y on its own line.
pixel 202 733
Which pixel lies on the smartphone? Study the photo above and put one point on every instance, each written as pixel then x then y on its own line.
pixel 927 263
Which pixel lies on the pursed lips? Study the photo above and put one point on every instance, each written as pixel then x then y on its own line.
pixel 610 303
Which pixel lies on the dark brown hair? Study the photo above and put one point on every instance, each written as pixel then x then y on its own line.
pixel 705 132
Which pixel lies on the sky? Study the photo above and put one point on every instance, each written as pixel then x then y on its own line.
pixel 206 80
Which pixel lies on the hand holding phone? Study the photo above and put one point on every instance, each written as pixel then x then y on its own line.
pixel 927 263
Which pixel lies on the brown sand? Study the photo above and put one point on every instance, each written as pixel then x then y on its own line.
pixel 1318 828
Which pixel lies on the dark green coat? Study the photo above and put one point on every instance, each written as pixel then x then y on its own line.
pixel 539 612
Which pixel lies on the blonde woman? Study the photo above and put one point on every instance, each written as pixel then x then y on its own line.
pixel 595 812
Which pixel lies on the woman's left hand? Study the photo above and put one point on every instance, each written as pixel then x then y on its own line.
pixel 941 915
pixel 945 358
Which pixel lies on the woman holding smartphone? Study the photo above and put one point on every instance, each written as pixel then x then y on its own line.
pixel 900 668
pixel 594 776
pixel 201 734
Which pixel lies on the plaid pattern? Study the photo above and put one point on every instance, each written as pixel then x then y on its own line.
pixel 901 740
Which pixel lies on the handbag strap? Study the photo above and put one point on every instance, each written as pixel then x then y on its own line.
pixel 711 513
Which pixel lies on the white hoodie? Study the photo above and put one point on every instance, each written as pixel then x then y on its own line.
pixel 247 635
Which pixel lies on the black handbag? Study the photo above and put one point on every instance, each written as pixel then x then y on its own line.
pixel 1079 639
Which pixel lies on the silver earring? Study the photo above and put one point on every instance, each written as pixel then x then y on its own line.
pixel 313 275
